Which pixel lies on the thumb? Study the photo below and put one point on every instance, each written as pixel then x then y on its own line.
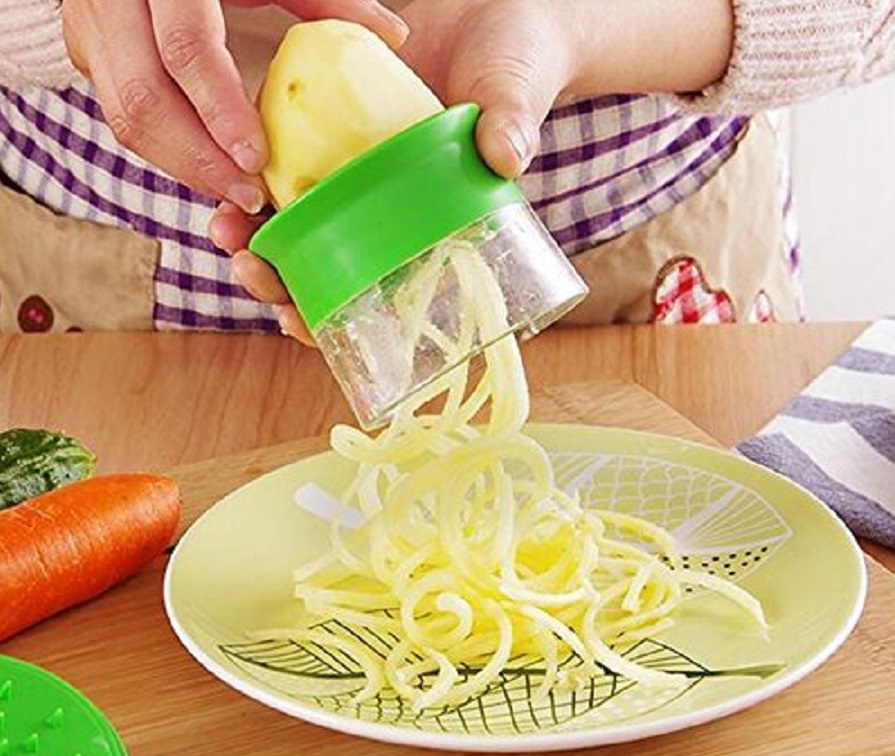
pixel 514 72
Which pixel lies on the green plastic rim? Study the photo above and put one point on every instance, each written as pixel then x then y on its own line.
pixel 42 713
pixel 380 211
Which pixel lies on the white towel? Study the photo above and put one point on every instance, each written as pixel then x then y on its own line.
pixel 837 438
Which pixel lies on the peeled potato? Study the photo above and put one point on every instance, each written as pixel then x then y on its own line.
pixel 332 91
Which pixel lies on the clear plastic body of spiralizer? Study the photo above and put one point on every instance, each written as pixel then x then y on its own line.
pixel 409 328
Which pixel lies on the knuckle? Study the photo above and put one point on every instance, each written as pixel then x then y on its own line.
pixel 505 74
pixel 125 132
pixel 215 117
pixel 139 106
pixel 204 171
pixel 202 163
pixel 181 49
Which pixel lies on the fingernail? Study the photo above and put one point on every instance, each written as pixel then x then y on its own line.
pixel 248 196
pixel 282 320
pixel 214 230
pixel 241 262
pixel 402 27
pixel 518 142
pixel 227 208
pixel 246 156
pixel 402 30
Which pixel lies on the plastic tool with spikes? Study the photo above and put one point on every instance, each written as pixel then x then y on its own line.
pixel 42 714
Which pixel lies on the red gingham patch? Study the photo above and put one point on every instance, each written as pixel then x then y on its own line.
pixel 683 296
pixel 762 309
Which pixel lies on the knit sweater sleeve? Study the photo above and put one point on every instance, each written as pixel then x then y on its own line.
pixel 32 51
pixel 786 51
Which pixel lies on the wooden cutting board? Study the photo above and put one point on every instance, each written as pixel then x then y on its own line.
pixel 120 651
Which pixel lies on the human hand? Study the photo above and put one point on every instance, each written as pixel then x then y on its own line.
pixel 511 57
pixel 170 90
pixel 230 229
pixel 517 58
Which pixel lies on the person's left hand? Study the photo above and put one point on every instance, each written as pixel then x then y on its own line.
pixel 511 57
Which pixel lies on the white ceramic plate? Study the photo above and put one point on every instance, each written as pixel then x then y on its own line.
pixel 231 573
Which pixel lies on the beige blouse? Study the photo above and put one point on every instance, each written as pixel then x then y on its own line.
pixel 784 50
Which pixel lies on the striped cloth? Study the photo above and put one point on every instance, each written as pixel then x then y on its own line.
pixel 606 166
pixel 837 438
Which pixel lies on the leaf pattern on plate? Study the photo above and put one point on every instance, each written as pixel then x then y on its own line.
pixel 330 679
pixel 721 526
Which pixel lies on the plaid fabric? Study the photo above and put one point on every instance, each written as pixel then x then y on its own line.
pixel 610 164
pixel 57 148
pixel 682 296
pixel 606 166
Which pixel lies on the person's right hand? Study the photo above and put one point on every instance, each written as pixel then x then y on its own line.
pixel 170 90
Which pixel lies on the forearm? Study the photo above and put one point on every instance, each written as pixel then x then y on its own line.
pixel 648 46
pixel 732 55
pixel 32 51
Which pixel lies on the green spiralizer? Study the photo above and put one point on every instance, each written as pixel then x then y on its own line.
pixel 366 255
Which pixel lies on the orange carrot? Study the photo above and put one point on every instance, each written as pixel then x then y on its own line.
pixel 67 546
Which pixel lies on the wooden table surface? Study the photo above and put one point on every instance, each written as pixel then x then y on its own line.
pixel 156 401
pixel 152 401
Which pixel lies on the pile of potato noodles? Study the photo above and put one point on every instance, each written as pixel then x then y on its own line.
pixel 470 555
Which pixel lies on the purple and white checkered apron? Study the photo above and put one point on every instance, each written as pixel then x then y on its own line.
pixel 606 166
